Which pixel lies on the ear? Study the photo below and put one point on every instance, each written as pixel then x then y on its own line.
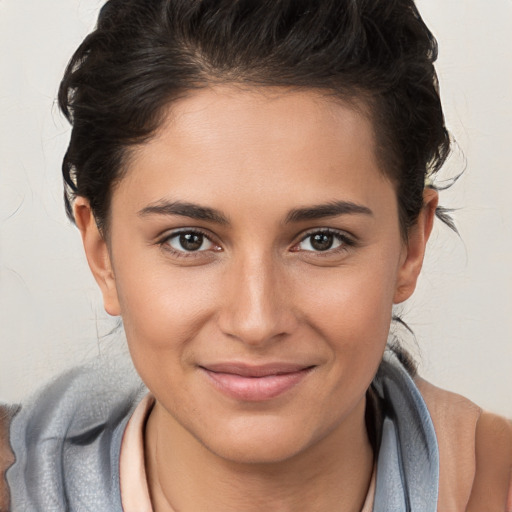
pixel 98 257
pixel 414 252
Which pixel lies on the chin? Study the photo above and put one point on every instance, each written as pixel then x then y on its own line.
pixel 258 451
pixel 260 441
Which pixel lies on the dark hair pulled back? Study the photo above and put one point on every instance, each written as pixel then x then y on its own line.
pixel 144 54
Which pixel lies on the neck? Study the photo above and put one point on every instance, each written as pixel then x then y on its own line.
pixel 184 475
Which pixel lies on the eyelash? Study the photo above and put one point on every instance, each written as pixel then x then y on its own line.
pixel 345 240
pixel 164 243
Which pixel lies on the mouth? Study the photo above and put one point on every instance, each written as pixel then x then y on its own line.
pixel 255 383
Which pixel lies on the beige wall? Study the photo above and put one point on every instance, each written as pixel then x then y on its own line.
pixel 50 314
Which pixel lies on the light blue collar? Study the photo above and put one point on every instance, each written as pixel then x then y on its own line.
pixel 408 461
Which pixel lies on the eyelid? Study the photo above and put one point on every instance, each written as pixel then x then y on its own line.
pixel 347 240
pixel 163 240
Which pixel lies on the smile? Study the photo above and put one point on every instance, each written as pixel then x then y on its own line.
pixel 255 383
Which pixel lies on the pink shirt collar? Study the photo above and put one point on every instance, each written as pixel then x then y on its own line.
pixel 134 486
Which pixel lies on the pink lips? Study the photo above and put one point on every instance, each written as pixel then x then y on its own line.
pixel 255 383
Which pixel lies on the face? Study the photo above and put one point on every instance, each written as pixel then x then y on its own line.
pixel 255 255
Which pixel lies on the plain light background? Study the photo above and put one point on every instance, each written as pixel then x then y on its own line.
pixel 51 315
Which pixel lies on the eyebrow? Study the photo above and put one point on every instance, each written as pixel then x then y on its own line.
pixel 332 209
pixel 195 211
pixel 184 209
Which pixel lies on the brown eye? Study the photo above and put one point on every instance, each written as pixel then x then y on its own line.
pixel 189 241
pixel 322 241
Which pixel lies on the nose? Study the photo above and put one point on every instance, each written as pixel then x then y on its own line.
pixel 257 306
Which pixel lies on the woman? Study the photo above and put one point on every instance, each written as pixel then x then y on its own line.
pixel 252 182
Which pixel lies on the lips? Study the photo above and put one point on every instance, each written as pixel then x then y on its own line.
pixel 255 383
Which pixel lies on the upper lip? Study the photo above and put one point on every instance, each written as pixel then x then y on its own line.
pixel 256 370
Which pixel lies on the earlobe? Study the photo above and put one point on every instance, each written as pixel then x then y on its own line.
pixel 412 262
pixel 98 257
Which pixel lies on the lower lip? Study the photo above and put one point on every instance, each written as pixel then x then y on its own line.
pixel 255 389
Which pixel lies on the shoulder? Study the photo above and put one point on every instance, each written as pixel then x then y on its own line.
pixel 475 452
pixel 76 421
pixel 492 487
pixel 6 454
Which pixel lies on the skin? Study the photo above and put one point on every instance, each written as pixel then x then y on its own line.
pixel 258 291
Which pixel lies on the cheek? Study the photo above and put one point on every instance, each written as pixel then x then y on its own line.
pixel 162 308
pixel 162 316
pixel 351 307
pixel 353 318
pixel 351 300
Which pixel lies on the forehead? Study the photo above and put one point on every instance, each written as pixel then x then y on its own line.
pixel 258 144
pixel 216 115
